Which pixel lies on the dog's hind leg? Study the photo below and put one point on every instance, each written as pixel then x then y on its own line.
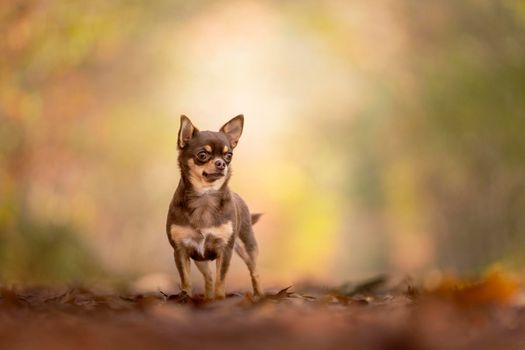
pixel 248 253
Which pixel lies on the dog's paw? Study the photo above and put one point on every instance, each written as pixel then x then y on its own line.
pixel 220 295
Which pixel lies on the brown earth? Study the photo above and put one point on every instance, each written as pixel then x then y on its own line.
pixel 356 317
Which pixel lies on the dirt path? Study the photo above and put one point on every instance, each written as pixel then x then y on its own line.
pixel 77 318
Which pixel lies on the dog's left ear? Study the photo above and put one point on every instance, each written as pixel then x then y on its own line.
pixel 233 129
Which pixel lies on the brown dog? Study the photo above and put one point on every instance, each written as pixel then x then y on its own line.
pixel 205 220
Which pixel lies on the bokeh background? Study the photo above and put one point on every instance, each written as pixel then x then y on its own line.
pixel 380 136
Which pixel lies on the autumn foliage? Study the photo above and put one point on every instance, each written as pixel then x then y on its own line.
pixel 455 315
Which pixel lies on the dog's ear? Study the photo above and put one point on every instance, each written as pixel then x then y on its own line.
pixel 233 129
pixel 186 131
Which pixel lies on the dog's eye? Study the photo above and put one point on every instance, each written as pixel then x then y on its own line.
pixel 202 156
pixel 228 157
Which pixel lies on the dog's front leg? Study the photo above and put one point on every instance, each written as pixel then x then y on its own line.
pixel 223 263
pixel 204 268
pixel 182 261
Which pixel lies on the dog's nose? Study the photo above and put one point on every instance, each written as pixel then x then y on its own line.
pixel 220 164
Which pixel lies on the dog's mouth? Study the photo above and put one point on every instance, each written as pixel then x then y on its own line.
pixel 212 176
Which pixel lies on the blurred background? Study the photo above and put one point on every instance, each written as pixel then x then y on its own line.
pixel 380 136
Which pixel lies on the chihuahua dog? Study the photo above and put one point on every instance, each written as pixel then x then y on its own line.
pixel 205 220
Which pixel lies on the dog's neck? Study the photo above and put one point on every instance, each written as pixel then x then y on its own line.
pixel 203 208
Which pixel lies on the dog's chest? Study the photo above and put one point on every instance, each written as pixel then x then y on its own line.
pixel 205 211
pixel 202 243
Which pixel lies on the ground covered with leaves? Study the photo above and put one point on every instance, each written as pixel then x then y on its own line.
pixel 484 314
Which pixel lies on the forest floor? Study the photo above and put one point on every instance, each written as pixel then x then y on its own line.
pixel 486 314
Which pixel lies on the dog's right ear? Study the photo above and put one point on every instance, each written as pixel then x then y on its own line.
pixel 186 131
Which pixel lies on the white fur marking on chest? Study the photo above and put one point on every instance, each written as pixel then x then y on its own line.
pixel 179 233
pixel 198 245
pixel 223 231
pixel 190 237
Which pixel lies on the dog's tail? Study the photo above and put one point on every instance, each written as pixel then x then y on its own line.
pixel 256 217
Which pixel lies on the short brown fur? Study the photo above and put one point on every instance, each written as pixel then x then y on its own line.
pixel 206 221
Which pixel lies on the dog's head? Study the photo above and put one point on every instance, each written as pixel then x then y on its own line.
pixel 205 156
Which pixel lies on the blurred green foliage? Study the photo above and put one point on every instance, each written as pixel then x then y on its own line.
pixel 443 139
pixel 54 67
pixel 44 253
